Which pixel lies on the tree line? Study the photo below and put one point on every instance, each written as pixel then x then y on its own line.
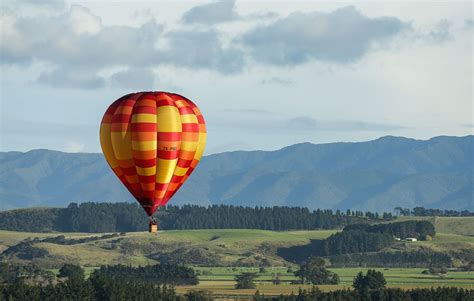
pixel 155 283
pixel 397 259
pixel 381 294
pixel 129 217
pixel 359 238
pixel 422 211
pixel 345 242
pixel 107 283
pixel 421 230
pixel 159 273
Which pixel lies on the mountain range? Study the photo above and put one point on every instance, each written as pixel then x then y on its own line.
pixel 375 175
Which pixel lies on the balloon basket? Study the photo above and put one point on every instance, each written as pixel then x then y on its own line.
pixel 152 227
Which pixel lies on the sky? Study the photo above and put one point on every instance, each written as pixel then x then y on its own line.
pixel 265 74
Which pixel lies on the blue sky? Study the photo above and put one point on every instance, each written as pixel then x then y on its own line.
pixel 265 74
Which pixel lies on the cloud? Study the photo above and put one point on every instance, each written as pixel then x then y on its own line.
pixel 262 15
pixel 83 21
pixel 469 24
pixel 74 147
pixel 231 146
pixel 76 38
pixel 134 78
pixel 45 3
pixel 35 4
pixel 342 36
pixel 251 111
pixel 441 32
pixel 270 121
pixel 278 81
pixel 201 49
pixel 79 46
pixel 303 123
pixel 212 13
pixel 66 78
pixel 468 125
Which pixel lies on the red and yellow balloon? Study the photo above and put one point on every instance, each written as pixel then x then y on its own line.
pixel 153 141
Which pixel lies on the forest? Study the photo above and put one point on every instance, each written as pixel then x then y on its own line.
pixel 154 282
pixel 382 294
pixel 401 259
pixel 422 211
pixel 421 230
pixel 127 217
pixel 360 238
pixel 149 283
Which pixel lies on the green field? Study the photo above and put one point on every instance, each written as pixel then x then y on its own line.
pixel 219 281
pixel 241 247
pixel 227 247
pixel 446 224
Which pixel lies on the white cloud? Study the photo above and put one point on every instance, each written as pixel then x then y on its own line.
pixel 305 123
pixel 342 36
pixel 134 78
pixel 407 79
pixel 80 47
pixel 441 31
pixel 275 80
pixel 83 21
pixel 212 13
pixel 67 78
pixel 74 147
pixel 201 49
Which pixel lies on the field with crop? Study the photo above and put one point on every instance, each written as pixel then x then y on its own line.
pixel 220 281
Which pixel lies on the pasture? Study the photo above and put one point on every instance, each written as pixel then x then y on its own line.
pixel 220 280
pixel 242 250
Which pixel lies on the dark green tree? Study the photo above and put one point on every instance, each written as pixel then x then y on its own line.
pixel 314 271
pixel 194 295
pixel 72 272
pixel 373 280
pixel 359 283
pixel 245 281
pixel 4 272
pixel 276 279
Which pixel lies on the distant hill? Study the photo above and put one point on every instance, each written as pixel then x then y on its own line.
pixel 374 175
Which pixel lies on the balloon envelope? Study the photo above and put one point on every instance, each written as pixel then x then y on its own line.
pixel 153 141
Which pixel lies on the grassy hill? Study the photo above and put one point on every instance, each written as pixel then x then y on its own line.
pixel 223 247
pixel 210 247
pixel 219 255
pixel 447 224
pixel 455 225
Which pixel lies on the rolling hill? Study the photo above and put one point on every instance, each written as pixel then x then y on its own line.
pixel 209 247
pixel 374 175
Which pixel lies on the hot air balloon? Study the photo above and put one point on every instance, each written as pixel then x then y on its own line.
pixel 153 141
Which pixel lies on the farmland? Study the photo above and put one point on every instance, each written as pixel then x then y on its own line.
pixel 219 255
pixel 225 247
pixel 210 247
pixel 219 281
